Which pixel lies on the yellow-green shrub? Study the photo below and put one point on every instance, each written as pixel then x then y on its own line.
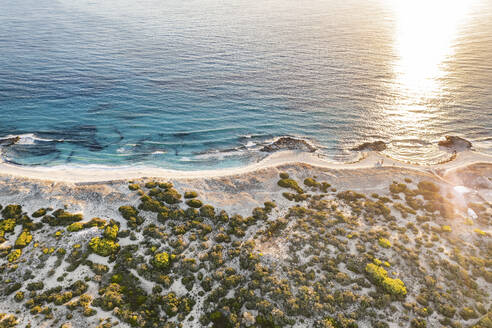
pixel 379 276
pixel 103 246
pixel 7 225
pixel 24 239
pixel 161 260
pixel 14 255
pixel 76 226
pixel 383 242
pixel 446 228
pixel 111 231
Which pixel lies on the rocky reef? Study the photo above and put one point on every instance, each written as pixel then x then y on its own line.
pixel 371 146
pixel 9 141
pixel 455 143
pixel 289 143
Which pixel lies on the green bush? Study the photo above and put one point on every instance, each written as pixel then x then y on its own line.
pixel 195 203
pixel 76 226
pixel 207 211
pixel 39 285
pixel 295 197
pixel 99 268
pixel 133 187
pixel 259 214
pixel 60 299
pixel 396 188
pixel 447 310
pixel 12 212
pixel 14 255
pixel 468 313
pixel 284 175
pixel 39 213
pixel 310 182
pixel 289 183
pixel 171 196
pixel 190 194
pixel 61 217
pixel 161 260
pixel 24 239
pixel 149 204
pixel 418 323
pixel 151 184
pixel 94 222
pixel 103 246
pixel 383 242
pixel 111 231
pixel 19 296
pixel 379 275
pixel 128 211
pixel 165 185
pixel 269 206
pixel 7 225
pixel 163 216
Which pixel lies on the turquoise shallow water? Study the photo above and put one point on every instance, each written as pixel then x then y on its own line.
pixel 204 84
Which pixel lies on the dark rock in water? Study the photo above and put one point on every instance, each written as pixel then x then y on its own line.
pixel 455 143
pixel 374 146
pixel 9 141
pixel 289 143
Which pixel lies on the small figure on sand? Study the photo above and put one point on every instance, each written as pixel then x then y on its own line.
pixel 380 162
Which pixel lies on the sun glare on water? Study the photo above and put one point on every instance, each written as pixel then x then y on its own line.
pixel 426 32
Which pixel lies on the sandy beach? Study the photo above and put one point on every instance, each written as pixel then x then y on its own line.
pixel 100 174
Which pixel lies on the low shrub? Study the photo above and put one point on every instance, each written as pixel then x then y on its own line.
pixel 171 196
pixel 161 260
pixel 14 255
pixel 39 213
pixel 24 239
pixel 291 184
pixel 103 246
pixel 61 217
pixel 383 242
pixel 195 203
pixel 379 275
pixel 190 194
pixel 207 211
pixel 310 182
pixel 12 212
pixel 111 230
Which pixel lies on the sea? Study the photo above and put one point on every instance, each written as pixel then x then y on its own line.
pixel 207 84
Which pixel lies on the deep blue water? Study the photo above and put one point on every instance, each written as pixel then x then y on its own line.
pixel 204 84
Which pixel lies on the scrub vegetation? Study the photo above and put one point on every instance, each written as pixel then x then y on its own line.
pixel 321 258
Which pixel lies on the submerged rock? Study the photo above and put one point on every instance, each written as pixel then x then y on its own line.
pixel 289 143
pixel 455 143
pixel 374 146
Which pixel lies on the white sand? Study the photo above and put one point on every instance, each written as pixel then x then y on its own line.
pixel 102 174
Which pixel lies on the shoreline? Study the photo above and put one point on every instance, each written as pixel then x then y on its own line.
pixel 101 175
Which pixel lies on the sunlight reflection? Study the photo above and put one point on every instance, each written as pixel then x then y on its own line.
pixel 425 33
